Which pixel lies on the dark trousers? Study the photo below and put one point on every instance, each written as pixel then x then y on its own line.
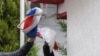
pixel 46 50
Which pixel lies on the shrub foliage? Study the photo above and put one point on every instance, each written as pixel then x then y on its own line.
pixel 9 18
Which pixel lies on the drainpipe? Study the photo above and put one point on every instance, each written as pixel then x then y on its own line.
pixel 57 10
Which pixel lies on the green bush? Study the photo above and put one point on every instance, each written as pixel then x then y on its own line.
pixel 9 18
pixel 33 51
pixel 8 39
pixel 62 25
pixel 62 50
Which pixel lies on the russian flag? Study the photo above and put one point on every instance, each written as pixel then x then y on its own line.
pixel 31 21
pixel 28 23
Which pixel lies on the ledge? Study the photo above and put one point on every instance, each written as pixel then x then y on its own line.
pixel 62 15
pixel 48 1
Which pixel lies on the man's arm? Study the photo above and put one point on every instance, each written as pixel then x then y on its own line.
pixel 23 51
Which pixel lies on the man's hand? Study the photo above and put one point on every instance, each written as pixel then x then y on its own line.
pixel 38 34
pixel 31 39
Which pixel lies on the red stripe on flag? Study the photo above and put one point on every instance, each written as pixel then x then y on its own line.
pixel 28 21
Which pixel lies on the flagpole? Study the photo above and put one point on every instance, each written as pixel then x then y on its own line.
pixel 21 19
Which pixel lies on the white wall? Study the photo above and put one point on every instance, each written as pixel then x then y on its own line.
pixel 83 35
